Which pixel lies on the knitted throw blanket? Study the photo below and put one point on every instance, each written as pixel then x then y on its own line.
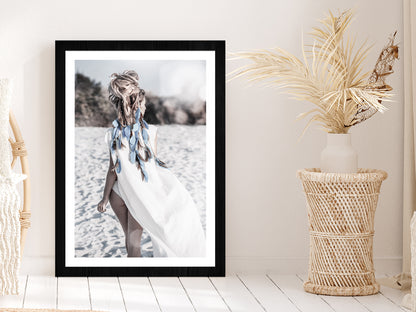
pixel 9 203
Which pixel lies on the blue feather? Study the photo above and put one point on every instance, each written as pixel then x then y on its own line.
pixel 146 179
pixel 132 156
pixel 126 131
pixel 132 142
pixel 141 163
pixel 136 127
pixel 150 151
pixel 160 163
pixel 118 166
pixel 145 135
pixel 145 124
pixel 115 123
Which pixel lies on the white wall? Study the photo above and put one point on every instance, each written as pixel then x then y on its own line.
pixel 266 214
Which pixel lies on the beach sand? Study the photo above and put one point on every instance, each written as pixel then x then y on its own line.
pixel 100 234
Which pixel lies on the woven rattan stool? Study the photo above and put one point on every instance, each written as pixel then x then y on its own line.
pixel 341 208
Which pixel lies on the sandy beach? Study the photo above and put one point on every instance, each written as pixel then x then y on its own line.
pixel 100 234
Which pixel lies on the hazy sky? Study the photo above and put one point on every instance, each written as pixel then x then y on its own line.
pixel 185 79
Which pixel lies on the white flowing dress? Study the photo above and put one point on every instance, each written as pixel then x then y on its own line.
pixel 162 205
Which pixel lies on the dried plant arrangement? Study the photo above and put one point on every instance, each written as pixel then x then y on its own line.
pixel 330 75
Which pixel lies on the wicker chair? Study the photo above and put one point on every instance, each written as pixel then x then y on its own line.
pixel 19 151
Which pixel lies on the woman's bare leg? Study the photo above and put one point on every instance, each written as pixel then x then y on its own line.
pixel 134 236
pixel 121 211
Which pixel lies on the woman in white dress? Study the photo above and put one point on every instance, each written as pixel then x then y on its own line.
pixel 142 191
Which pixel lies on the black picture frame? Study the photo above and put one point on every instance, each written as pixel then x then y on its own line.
pixel 61 48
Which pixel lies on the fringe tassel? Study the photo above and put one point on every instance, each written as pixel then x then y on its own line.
pixel 9 239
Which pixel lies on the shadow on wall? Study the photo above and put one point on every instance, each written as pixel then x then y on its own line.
pixel 93 109
pixel 38 132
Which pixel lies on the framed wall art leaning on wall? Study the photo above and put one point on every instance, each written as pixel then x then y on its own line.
pixel 140 158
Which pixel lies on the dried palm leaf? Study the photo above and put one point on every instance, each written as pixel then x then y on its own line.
pixel 330 75
pixel 377 79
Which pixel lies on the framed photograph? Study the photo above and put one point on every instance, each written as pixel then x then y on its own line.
pixel 140 158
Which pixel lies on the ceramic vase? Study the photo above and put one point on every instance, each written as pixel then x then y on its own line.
pixel 339 155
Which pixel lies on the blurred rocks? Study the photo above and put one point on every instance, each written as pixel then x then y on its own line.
pixel 93 109
pixel 172 110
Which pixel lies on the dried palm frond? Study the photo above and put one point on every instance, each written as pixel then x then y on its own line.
pixel 377 79
pixel 330 75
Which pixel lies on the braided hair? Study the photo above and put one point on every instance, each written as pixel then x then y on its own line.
pixel 129 100
pixel 126 96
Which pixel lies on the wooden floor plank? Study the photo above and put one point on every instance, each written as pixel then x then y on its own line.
pixel 203 294
pixel 394 295
pixel 267 293
pixel 245 292
pixel 40 292
pixel 170 294
pixel 73 293
pixel 106 294
pixel 292 286
pixel 138 294
pixel 378 303
pixel 344 304
pixel 235 294
pixel 14 301
pixel 340 304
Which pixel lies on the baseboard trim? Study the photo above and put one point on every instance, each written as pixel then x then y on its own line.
pixel 234 265
pixel 38 265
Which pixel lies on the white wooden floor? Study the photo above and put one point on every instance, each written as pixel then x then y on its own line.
pixel 233 293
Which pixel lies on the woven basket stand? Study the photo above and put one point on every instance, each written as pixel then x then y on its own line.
pixel 341 209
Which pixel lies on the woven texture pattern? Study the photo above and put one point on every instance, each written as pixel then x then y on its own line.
pixel 9 203
pixel 341 210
